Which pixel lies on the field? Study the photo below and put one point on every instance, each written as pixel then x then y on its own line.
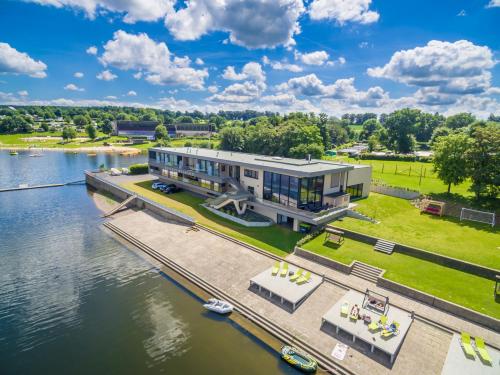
pixel 401 222
pixel 275 239
pixel 456 286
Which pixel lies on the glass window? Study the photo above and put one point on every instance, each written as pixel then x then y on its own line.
pixel 267 193
pixel 276 187
pixel 251 190
pixel 294 191
pixel 285 181
pixel 355 191
pixel 251 173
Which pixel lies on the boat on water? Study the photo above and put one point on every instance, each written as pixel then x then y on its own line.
pixel 35 155
pixel 218 306
pixel 13 153
pixel 298 359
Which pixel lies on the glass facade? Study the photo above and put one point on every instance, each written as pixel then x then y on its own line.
pixel 355 191
pixel 304 193
pixel 251 173
pixel 208 167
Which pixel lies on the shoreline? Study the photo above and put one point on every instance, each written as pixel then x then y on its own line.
pixel 93 149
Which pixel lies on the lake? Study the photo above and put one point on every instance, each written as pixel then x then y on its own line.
pixel 74 300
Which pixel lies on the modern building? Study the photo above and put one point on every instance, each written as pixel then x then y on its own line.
pixel 190 130
pixel 133 129
pixel 288 191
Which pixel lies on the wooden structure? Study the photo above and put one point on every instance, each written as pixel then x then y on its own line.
pixel 375 301
pixel 432 207
pixel 334 235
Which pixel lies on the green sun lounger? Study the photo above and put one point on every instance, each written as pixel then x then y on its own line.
pixel 304 279
pixel 481 350
pixel 297 275
pixel 276 268
pixel 466 344
pixel 375 326
pixel 344 309
pixel 284 270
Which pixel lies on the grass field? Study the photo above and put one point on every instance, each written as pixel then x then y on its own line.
pixel 458 287
pixel 275 239
pixel 401 222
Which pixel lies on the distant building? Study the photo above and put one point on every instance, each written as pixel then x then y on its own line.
pixel 134 129
pixel 190 130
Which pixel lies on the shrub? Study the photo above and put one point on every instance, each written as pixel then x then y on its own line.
pixel 139 169
pixel 205 144
pixel 310 236
pixel 188 144
pixel 396 157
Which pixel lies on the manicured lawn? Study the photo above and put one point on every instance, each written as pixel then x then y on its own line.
pixel 275 239
pixel 401 222
pixel 458 287
pixel 17 140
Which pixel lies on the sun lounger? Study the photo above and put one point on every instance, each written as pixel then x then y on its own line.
pixel 375 326
pixel 297 275
pixel 284 270
pixel 344 309
pixel 481 350
pixel 354 314
pixel 466 344
pixel 392 330
pixel 276 268
pixel 304 279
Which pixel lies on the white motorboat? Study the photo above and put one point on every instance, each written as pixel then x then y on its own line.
pixel 218 306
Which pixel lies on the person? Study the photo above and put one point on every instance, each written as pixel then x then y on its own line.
pixel 355 311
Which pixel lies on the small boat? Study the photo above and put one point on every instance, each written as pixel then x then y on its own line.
pixel 92 154
pixel 298 359
pixel 13 153
pixel 218 306
pixel 35 155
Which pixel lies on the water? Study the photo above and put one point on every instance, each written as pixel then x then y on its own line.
pixel 73 300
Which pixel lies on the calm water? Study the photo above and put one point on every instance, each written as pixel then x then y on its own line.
pixel 73 300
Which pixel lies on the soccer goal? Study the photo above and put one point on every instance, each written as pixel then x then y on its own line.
pixel 480 216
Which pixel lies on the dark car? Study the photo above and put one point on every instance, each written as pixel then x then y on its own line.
pixel 169 189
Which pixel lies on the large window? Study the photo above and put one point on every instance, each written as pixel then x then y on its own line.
pixel 355 191
pixel 152 155
pixel 305 193
pixel 251 173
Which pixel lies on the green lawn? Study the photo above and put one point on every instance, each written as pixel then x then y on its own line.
pixel 401 222
pixel 275 239
pixel 458 287
pixel 17 140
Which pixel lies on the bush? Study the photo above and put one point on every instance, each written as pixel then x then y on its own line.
pixel 139 169
pixel 205 144
pixel 188 144
pixel 310 236
pixel 396 157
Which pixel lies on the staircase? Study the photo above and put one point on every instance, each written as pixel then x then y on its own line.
pixel 385 246
pixel 365 271
pixel 121 205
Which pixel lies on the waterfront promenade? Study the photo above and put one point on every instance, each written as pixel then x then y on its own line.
pixel 230 266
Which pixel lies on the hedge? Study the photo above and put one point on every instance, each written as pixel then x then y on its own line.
pixel 139 168
pixel 396 157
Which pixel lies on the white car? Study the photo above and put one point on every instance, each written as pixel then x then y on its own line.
pixel 115 172
pixel 157 185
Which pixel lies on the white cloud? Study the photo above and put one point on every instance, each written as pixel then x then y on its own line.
pixel 281 65
pixel 493 4
pixel 15 62
pixel 199 61
pixel 238 93
pixel 251 71
pixel 285 102
pixel 131 93
pixel 78 75
pixel 106 75
pixel 133 10
pixel 212 89
pixel 340 61
pixel 73 87
pixel 343 11
pixel 23 93
pixel 173 104
pixel 111 97
pixel 92 50
pixel 250 23
pixel 152 60
pixel 313 58
pixel 454 68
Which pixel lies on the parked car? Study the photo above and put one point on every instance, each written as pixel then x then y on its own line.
pixel 169 189
pixel 158 185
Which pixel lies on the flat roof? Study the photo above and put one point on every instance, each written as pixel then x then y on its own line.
pixel 295 167
pixel 283 287
pixel 359 329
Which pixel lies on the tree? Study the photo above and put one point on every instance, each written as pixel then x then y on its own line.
pixel 440 131
pixel 450 158
pixel 460 120
pixel 107 127
pixel 81 121
pixel 232 139
pixel 184 119
pixel 400 127
pixel 91 131
pixel 370 127
pixel 373 142
pixel 68 133
pixel 45 126
pixel 483 160
pixel 302 151
pixel 161 133
pixel 426 125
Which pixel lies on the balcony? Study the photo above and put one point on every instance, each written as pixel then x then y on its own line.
pixel 186 170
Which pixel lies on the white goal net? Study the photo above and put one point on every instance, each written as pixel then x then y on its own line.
pixel 480 216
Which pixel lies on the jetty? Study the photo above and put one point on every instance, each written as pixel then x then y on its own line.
pixel 44 186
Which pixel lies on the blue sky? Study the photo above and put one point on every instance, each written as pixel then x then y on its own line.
pixel 328 56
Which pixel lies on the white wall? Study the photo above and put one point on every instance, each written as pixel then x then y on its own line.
pixel 361 174
pixel 256 183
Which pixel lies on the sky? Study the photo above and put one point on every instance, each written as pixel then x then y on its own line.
pixel 332 56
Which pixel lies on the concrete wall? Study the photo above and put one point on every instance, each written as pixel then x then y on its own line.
pixel 327 262
pixel 238 220
pixel 361 174
pixel 328 189
pixel 458 264
pixel 395 192
pixel 257 184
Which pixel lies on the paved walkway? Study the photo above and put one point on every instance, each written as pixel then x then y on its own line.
pixel 423 310
pixel 230 266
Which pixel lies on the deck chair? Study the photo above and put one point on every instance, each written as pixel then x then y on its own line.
pixel 466 344
pixel 392 330
pixel 297 275
pixel 304 279
pixel 481 350
pixel 375 326
pixel 344 309
pixel 284 270
pixel 276 268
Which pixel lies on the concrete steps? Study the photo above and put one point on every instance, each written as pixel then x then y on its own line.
pixel 365 271
pixel 120 206
pixel 385 246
